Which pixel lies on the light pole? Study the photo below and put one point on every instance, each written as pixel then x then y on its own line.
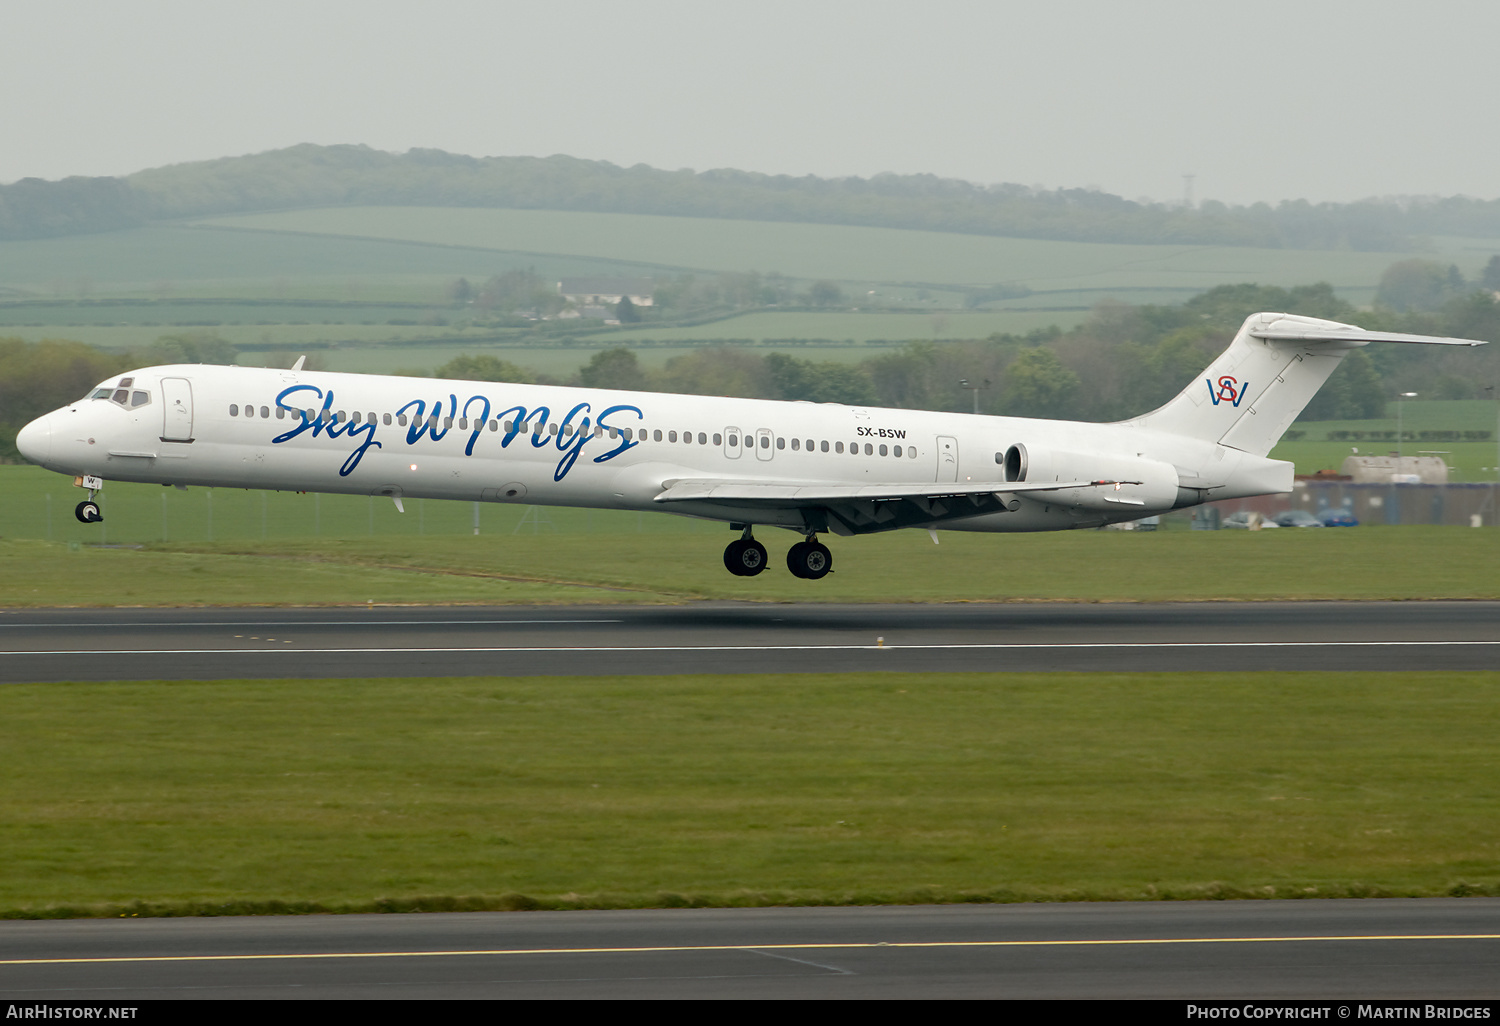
pixel 1400 424
pixel 976 389
pixel 1494 394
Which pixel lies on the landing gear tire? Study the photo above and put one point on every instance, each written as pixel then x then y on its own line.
pixel 745 557
pixel 88 513
pixel 809 560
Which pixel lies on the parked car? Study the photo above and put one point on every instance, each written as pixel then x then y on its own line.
pixel 1247 520
pixel 1337 516
pixel 1296 518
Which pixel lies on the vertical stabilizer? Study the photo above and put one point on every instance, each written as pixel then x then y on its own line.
pixel 1250 395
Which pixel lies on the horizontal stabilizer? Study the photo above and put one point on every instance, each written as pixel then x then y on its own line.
pixel 1357 335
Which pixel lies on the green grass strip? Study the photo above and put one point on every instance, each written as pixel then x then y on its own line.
pixel 1377 563
pixel 449 794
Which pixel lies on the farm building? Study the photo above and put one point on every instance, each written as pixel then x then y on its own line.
pixel 606 291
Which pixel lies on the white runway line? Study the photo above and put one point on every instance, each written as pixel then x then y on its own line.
pixel 998 646
pixel 759 948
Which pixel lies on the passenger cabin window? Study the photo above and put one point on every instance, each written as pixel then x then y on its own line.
pixel 234 409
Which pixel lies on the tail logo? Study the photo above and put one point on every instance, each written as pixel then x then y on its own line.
pixel 1229 390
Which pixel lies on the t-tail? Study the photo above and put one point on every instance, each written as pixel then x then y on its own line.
pixel 1277 362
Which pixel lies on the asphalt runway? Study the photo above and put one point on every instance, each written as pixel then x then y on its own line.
pixel 227 643
pixel 1244 950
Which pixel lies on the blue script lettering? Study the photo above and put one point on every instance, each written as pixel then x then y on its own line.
pixel 322 421
pixel 625 443
pixel 574 431
pixel 479 421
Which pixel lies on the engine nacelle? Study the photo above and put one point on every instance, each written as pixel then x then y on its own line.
pixel 1142 484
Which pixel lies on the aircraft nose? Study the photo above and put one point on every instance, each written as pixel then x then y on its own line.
pixel 35 440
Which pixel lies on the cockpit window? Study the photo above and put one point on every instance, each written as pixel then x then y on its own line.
pixel 123 395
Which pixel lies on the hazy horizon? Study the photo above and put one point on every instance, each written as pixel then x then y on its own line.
pixel 1334 101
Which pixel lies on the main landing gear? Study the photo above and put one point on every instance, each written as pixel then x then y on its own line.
pixel 808 559
pixel 745 557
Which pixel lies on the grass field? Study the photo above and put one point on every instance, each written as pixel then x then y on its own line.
pixel 599 792
pixel 859 327
pixel 848 253
pixel 240 278
pixel 1467 461
pixel 178 260
pixel 224 547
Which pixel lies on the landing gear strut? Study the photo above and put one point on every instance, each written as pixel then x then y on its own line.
pixel 745 557
pixel 88 511
pixel 809 559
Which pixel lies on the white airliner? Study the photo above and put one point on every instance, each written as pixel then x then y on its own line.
pixel 811 467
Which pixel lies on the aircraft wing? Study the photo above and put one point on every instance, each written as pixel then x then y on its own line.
pixel 865 508
pixel 772 493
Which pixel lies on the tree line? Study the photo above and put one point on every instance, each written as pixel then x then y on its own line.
pixel 1122 361
pixel 309 176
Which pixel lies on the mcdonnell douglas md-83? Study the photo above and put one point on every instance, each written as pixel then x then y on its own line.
pixel 813 468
